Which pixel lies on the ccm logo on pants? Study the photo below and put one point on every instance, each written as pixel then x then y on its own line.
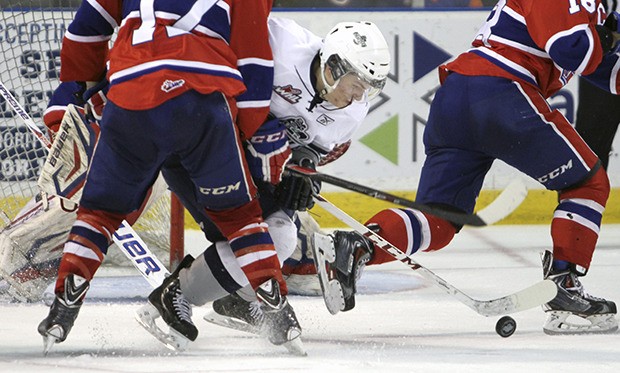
pixel 557 172
pixel 220 190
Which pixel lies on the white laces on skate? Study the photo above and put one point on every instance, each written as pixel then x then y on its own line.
pixel 576 285
pixel 182 307
pixel 577 288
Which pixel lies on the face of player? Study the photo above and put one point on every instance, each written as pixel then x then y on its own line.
pixel 347 89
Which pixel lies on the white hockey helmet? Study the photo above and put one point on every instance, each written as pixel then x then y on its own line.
pixel 358 48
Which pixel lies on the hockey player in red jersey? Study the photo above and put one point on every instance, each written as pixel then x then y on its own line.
pixel 191 84
pixel 492 105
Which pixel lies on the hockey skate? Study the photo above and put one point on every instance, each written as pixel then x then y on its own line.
pixel 299 269
pixel 573 311
pixel 169 303
pixel 280 324
pixel 234 312
pixel 56 326
pixel 340 259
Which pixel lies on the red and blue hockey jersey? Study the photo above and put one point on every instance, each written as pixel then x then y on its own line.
pixel 165 48
pixel 542 43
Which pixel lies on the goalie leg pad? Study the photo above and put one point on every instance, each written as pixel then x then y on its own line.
pixel 31 248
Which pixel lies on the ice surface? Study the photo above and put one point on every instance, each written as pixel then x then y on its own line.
pixel 400 324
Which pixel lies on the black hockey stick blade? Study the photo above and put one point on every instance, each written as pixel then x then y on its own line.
pixel 459 218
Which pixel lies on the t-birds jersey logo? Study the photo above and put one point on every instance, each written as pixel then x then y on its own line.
pixel 297 129
pixel 287 92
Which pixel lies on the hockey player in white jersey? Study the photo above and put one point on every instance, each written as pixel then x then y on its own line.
pixel 318 128
pixel 321 92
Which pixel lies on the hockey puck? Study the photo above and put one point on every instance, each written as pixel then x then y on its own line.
pixel 506 326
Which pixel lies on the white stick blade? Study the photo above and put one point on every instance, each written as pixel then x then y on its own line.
pixel 508 200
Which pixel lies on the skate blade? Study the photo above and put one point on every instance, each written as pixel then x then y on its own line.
pixel 231 323
pixel 324 245
pixel 323 250
pixel 333 297
pixel 51 337
pixel 173 340
pixel 295 347
pixel 565 323
pixel 48 343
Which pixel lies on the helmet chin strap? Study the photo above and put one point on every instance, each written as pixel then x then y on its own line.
pixel 320 94
pixel 315 101
pixel 327 89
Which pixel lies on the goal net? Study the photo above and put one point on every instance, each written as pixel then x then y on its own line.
pixel 31 33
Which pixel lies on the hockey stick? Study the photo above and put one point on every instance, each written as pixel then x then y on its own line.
pixel 126 238
pixel 460 218
pixel 19 110
pixel 530 297
pixel 508 200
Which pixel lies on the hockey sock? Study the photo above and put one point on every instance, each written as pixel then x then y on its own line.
pixel 410 230
pixel 256 254
pixel 560 265
pixel 86 246
pixel 577 220
pixel 74 264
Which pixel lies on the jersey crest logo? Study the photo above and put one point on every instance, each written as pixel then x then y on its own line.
pixel 287 92
pixel 324 120
pixel 297 129
pixel 169 85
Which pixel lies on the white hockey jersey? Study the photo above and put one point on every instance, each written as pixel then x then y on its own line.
pixel 325 126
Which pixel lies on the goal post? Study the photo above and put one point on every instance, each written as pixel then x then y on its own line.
pixel 31 33
pixel 177 231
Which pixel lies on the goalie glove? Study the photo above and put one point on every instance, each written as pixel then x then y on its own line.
pixel 95 98
pixel 295 192
pixel 66 93
pixel 268 151
pixel 64 171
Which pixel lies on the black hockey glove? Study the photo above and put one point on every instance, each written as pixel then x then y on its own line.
pixel 611 22
pixel 295 192
pixel 609 32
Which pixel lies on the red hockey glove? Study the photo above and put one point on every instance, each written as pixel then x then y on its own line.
pixel 268 151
